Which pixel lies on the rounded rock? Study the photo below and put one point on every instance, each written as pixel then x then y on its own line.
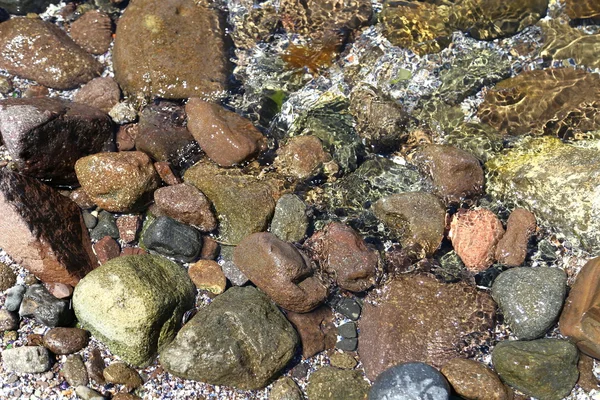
pixel 474 381
pixel 120 373
pixel 74 371
pixel 93 32
pixel 26 359
pixel 329 383
pixel 302 157
pixel 186 204
pixel 102 93
pixel 285 389
pixel 63 341
pixel 9 321
pixel 412 380
pixel 208 275
pixel 172 239
pixel 8 278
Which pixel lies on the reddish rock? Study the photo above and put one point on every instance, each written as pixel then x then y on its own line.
pixel 118 182
pixel 210 248
pixel 133 251
pixel 34 91
pixel 81 199
pixel 129 226
pixel 587 380
pixel 43 230
pixel 301 157
pixel 95 366
pixel 106 249
pixel 512 247
pixel 63 341
pixel 186 204
pixel 342 252
pixel 166 173
pixel 281 271
pixel 93 32
pixel 102 93
pixel 59 290
pixel 474 381
pixel 208 275
pixel 417 318
pixel 475 235
pixel 126 137
pixel 316 329
pixel 456 174
pixel 226 137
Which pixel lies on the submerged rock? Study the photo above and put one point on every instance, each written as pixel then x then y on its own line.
pixel 289 220
pixel 329 383
pixel 562 42
pixel 580 9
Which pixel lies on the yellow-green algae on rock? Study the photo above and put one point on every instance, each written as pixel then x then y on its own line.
pixel 558 182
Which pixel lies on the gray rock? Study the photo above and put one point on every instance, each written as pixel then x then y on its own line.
pixel 172 239
pixel 14 297
pixel 89 220
pixel 22 7
pixel 412 380
pixel 347 344
pixel 9 321
pixel 289 220
pixel 26 359
pixel 285 389
pixel 530 299
pixel 88 394
pixel 347 330
pixel 47 309
pixel 105 227
pixel 143 308
pixel 74 371
pixel 231 271
pixel 543 368
pixel 349 308
pixel 241 339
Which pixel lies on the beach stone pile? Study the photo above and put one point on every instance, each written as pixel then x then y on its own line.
pixel 380 229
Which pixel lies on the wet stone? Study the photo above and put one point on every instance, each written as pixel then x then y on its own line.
pixel 128 226
pixel 59 290
pixel 81 199
pixel 301 157
pixel 349 308
pixel 88 394
pixel 125 138
pixel 512 247
pixel 23 7
pixel 583 9
pixel 93 32
pixel 329 383
pixel 166 173
pixel 173 239
pixel 106 249
pixel 47 309
pixel 289 220
pixel 62 341
pixel 26 359
pixel 231 271
pixel 347 344
pixel 14 297
pixel 7 277
pixel 74 371
pixel 120 373
pixel 102 93
pixel 342 360
pixel 285 389
pixel 106 226
pixel 186 204
pixel 562 42
pixel 587 380
pixel 208 275
pixel 95 366
pixel 89 219
pixel 413 380
pixel 316 330
pixel 9 321
pixel 473 380
pixel 347 330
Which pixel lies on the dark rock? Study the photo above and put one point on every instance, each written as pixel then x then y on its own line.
pixel 583 9
pixel 301 157
pixel 43 231
pixel 9 321
pixel 348 330
pixel 316 330
pixel 106 249
pixel 300 371
pixel 473 380
pixel 347 344
pixel 240 324
pixel 95 366
pixel 54 60
pixel 89 220
pixel 564 42
pixel 413 380
pixel 118 182
pixel 447 314
pixel 8 278
pixel 106 226
pixel 172 239
pixel 543 368
pixel 26 359
pixel 343 254
pixel 23 7
pixel 164 137
pixel 330 383
pixel 44 307
pixel 74 371
pixel 186 204
pixel 62 341
pixel 125 138
pixel 46 136
pixel 512 247
pixel 14 297
pixel 121 374
pixel 587 380
pixel 150 59
pixel 210 248
pixel 289 220
pixel 349 308
pixel 93 32
pixel 102 93
pixel 280 270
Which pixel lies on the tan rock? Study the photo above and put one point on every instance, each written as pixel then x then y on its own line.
pixel 474 381
pixel 208 275
pixel 301 157
pixel 512 247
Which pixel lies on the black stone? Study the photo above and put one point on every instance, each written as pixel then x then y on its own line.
pixel 105 227
pixel 89 220
pixel 22 7
pixel 173 239
pixel 412 380
pixel 348 308
pixel 348 330
pixel 347 344
pixel 44 307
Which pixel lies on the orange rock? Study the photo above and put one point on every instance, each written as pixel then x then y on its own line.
pixel 512 248
pixel 207 275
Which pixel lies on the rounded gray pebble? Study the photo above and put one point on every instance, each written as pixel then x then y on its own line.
pixel 348 330
pixel 410 381
pixel 14 297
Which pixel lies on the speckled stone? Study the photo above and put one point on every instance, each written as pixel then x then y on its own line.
pixel 8 278
pixel 474 381
pixel 26 359
pixel 289 220
pixel 65 340
pixel 285 389
pixel 9 321
pixel 413 380
pixel 121 374
pixel 74 371
pixel 329 383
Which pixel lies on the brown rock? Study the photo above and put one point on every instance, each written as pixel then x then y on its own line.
pixel 166 173
pixel 81 199
pixel 102 93
pixel 53 59
pixel 587 380
pixel 151 59
pixel 62 341
pixel 281 271
pixel 186 204
pixel 342 252
pixel 210 248
pixel 128 226
pixel 512 247
pixel 8 278
pixel 580 9
pixel 316 329
pixel 95 366
pixel 74 372
pixel 93 32
pixel 118 182
pixel 207 275
pixel 120 373
pixel 226 137
pixel 36 91
pixel 59 290
pixel 43 230
pixel 9 321
pixel 126 137
pixel 133 251
pixel 475 235
pixel 35 339
pixel 106 249
pixel 301 157
pixel 342 360
pixel 474 381
pixel 417 318
pixel 581 313
pixel 456 174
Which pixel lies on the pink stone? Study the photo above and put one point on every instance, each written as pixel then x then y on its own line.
pixel 106 248
pixel 128 226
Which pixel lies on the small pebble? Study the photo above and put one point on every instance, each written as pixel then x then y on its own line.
pixel 95 366
pixel 89 219
pixel 123 113
pixel 285 389
pixel 74 371
pixel 348 330
pixel 9 321
pixel 47 309
pixel 171 238
pixel 166 173
pixel 129 226
pixel 66 340
pixel 106 249
pixel 210 248
pixel 342 360
pixel 347 344
pixel 348 308
pixel 106 227
pixel 88 394
pixel 120 373
pixel 207 275
pixel 8 278
pixel 81 199
pixel 14 297
pixel 59 290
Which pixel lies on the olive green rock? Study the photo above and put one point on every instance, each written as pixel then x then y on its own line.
pixel 134 304
pixel 557 181
pixel 290 221
pixel 241 339
pixel 285 389
pixel 545 368
pixel 244 205
pixel 331 383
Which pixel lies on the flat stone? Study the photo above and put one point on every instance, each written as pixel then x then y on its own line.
pixel 512 247
pixel 166 173
pixel 280 270
pixel 102 93
pixel 66 340
pixel 9 321
pixel 95 366
pixel 186 204
pixel 26 359
pixel 347 344
pixel 301 157
pixel 315 328
pixel 106 248
pixel 563 42
pixel 141 312
pixel 150 59
pixel 74 371
pixel 342 360
pixel 349 308
pixel 207 275
pixel 413 380
pixel 54 59
pixel 530 299
pixel 172 239
pixel 289 220
pixel 239 324
pixel 46 136
pixel 120 373
pixel 447 315
pixel 543 368
pixel 473 380
pixel 47 309
pixel 330 383
pixel 347 330
pixel 89 219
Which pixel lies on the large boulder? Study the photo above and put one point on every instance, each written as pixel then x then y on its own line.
pixel 134 304
pixel 43 230
pixel 241 339
pixel 151 59
pixel 46 136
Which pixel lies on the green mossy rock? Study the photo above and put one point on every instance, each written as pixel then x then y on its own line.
pixel 331 383
pixel 134 304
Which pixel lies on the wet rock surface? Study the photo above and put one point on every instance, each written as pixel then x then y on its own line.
pixel 102 93
pixel 93 32
pixel 316 330
pixel 186 204
pixel 290 221
pixel 168 237
pixel 65 340
pixel 473 380
pixel 301 157
pixel 512 247
pixel 410 380
pixel 334 383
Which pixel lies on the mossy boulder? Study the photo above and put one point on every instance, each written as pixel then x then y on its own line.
pixel 134 304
